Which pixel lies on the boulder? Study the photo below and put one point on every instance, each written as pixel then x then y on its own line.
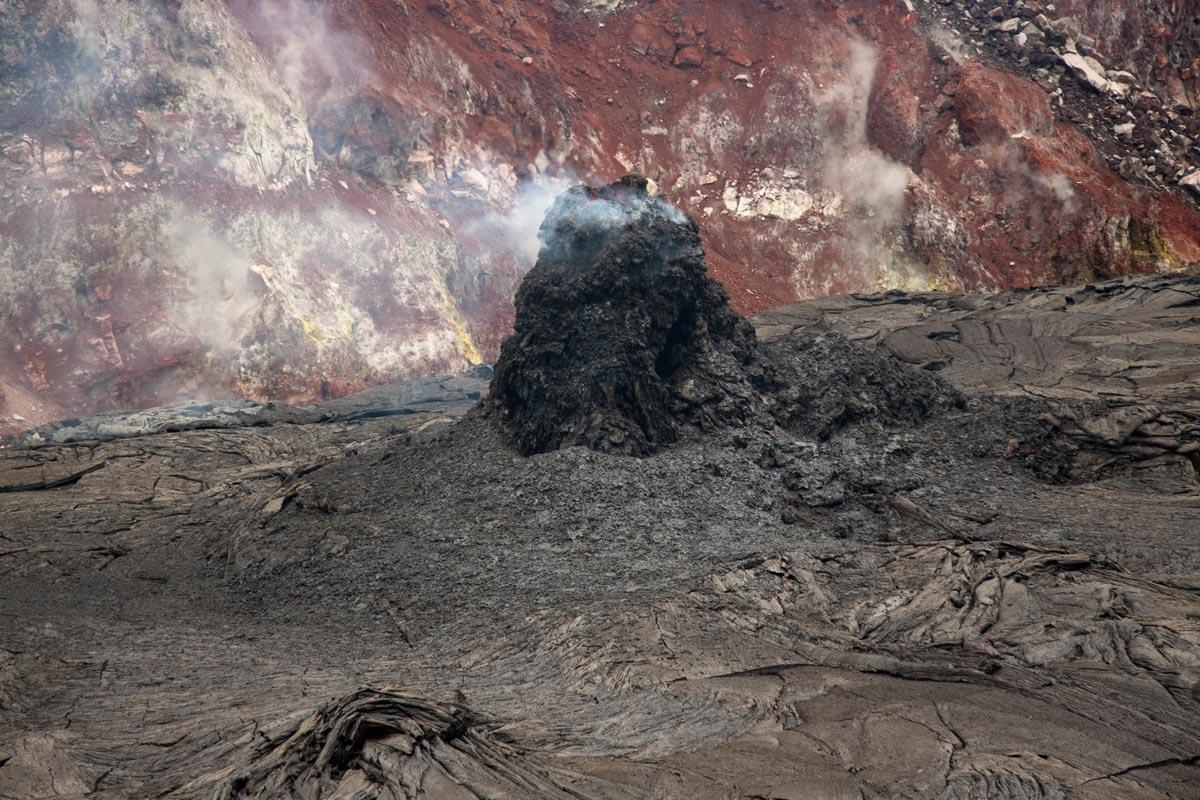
pixel 1191 181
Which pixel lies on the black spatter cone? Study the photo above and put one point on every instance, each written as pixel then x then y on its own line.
pixel 622 340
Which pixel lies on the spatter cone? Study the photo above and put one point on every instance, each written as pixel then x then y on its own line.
pixel 622 340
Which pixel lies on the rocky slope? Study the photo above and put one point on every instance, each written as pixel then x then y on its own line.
pixel 383 598
pixel 292 200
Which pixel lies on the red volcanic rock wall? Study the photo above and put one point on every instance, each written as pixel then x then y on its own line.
pixel 291 200
pixel 1157 40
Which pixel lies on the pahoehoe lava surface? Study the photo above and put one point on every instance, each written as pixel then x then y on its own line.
pixel 895 545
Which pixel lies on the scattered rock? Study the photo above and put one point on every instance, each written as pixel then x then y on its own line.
pixel 689 57
pixel 740 58
pixel 1191 181
pixel 1088 70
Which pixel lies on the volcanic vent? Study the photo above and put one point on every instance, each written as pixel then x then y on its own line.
pixel 624 343
pixel 621 337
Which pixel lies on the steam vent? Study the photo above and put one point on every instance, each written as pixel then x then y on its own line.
pixel 623 343
pixel 621 337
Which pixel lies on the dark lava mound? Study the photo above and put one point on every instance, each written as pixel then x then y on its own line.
pixel 621 337
pixel 623 342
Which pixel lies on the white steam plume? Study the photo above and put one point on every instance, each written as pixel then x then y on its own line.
pixel 520 222
pixel 318 62
pixel 871 185
pixel 221 294
pixel 949 41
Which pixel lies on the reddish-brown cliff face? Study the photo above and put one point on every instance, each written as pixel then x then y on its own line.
pixel 293 200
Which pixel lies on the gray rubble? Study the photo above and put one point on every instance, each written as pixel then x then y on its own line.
pixel 1026 37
